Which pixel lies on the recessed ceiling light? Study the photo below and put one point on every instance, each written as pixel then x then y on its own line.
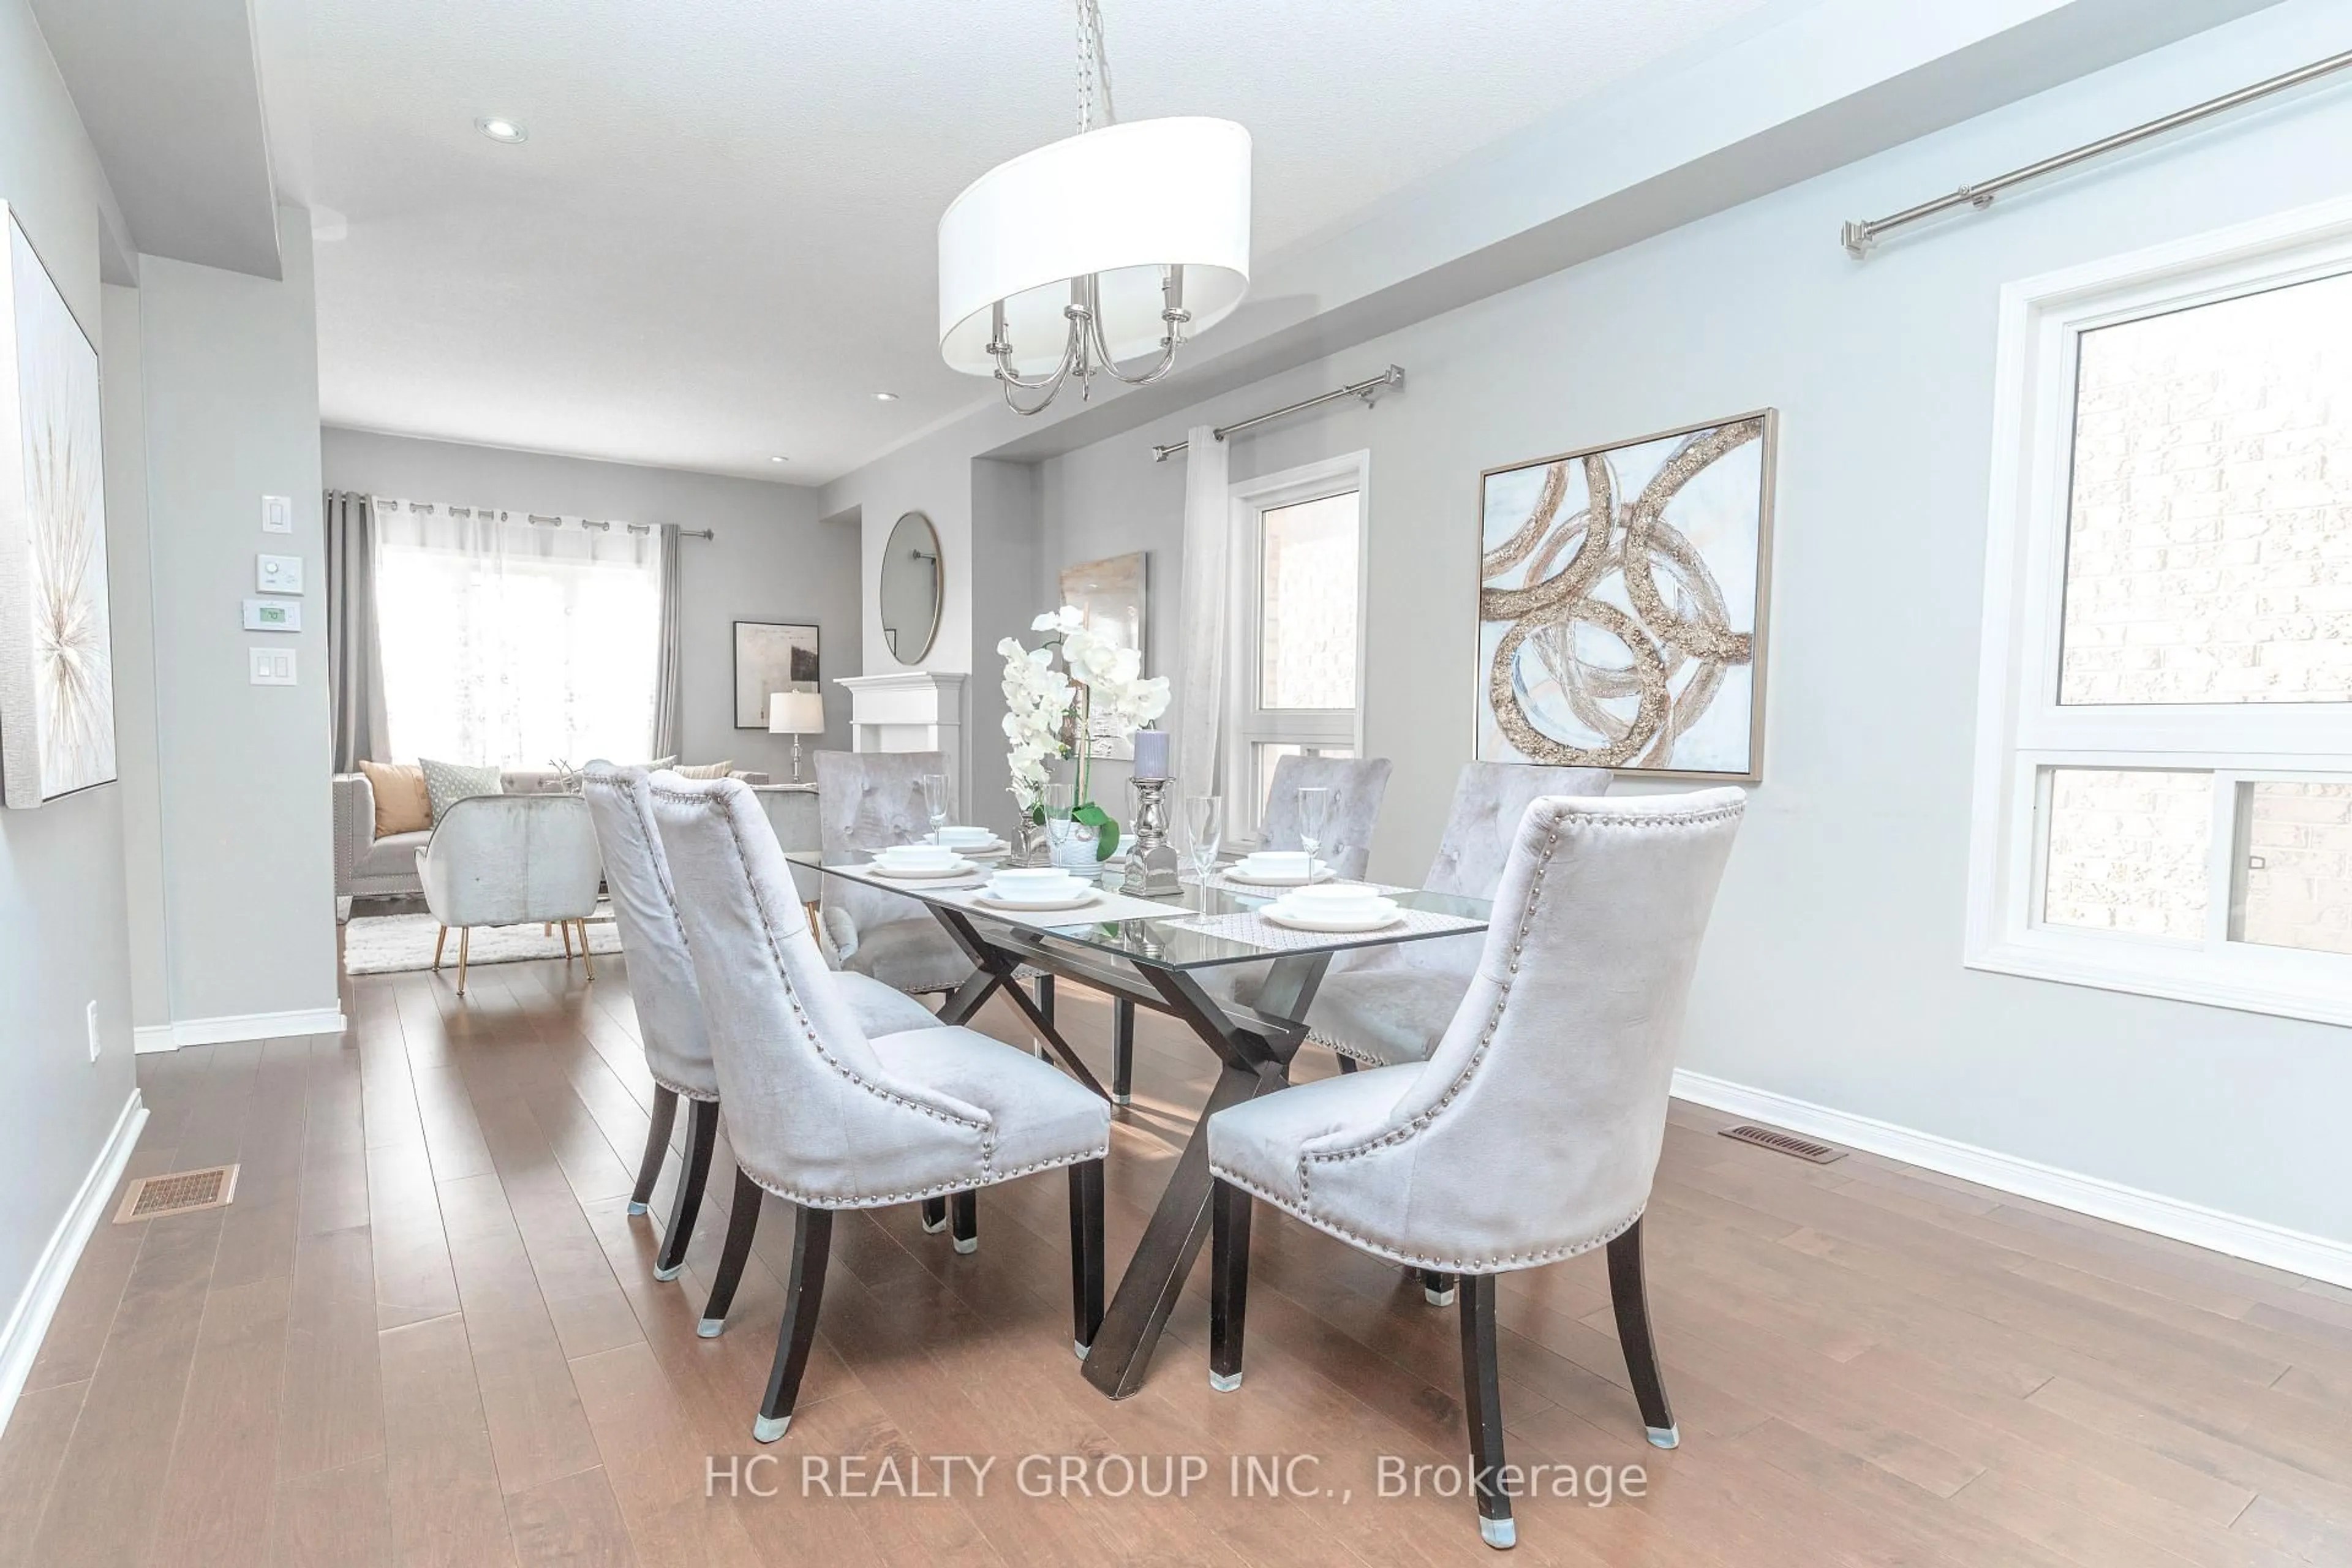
pixel 780 459
pixel 497 128
pixel 886 397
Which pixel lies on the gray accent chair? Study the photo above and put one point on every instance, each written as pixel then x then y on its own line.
pixel 670 1007
pixel 1533 1132
pixel 1358 784
pixel 507 861
pixel 828 1116
pixel 867 800
pixel 1387 1004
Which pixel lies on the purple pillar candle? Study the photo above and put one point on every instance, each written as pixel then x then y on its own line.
pixel 1151 754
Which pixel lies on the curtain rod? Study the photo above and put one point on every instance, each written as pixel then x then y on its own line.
pixel 1366 390
pixel 603 526
pixel 1859 237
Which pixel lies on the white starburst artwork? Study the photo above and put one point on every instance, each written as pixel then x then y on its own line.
pixel 56 674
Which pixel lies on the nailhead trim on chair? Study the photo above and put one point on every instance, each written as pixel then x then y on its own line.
pixel 1493 1264
pixel 884 1200
pixel 987 1129
pixel 1415 1128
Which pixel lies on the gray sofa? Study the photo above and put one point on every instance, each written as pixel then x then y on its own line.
pixel 367 867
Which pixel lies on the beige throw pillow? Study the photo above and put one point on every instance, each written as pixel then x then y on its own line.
pixel 708 771
pixel 401 803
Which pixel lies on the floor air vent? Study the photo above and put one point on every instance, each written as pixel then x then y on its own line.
pixel 1781 1142
pixel 182 1191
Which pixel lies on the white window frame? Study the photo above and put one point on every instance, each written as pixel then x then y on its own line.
pixel 1247 726
pixel 2022 731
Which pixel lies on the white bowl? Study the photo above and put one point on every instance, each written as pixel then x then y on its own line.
pixel 1272 863
pixel 915 857
pixel 1023 886
pixel 1031 876
pixel 966 837
pixel 1330 895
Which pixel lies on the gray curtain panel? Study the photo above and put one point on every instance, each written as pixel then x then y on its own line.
pixel 669 685
pixel 354 653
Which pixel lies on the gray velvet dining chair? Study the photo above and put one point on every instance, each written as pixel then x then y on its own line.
pixel 827 1116
pixel 866 801
pixel 1358 786
pixel 1533 1132
pixel 670 1023
pixel 1382 1005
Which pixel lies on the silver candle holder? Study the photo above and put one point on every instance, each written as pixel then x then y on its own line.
pixel 1151 860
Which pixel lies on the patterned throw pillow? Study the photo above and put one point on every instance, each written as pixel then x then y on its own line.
pixel 446 784
pixel 401 803
pixel 709 771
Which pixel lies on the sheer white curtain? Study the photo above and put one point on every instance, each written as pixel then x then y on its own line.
pixel 517 643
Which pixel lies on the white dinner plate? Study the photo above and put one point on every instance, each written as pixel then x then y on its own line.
pixel 1038 906
pixel 1234 873
pixel 1329 926
pixel 977 851
pixel 961 868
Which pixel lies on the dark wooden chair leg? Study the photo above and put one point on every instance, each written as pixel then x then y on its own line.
pixel 742 1224
pixel 1122 1052
pixel 1045 998
pixel 934 1215
pixel 1629 1294
pixel 701 1134
pixel 1229 1243
pixel 1085 1254
pixel 1437 1287
pixel 664 1116
pixel 803 1294
pixel 963 1218
pixel 1482 1403
pixel 1346 1064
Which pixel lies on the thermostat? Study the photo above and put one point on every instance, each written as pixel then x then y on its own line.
pixel 273 616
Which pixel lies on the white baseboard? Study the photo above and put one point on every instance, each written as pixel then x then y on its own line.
pixel 2257 1241
pixel 237 1026
pixel 28 1322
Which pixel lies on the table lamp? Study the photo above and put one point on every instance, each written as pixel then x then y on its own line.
pixel 796 713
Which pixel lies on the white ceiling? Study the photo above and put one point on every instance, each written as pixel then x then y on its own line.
pixel 718 242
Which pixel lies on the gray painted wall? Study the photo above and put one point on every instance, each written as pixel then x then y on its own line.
pixel 1832 970
pixel 130 579
pixel 62 922
pixel 230 368
pixel 772 561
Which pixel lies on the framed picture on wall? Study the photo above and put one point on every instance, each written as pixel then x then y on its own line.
pixel 770 656
pixel 1112 592
pixel 1621 599
pixel 56 664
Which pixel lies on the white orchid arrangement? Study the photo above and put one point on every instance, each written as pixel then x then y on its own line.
pixel 1049 712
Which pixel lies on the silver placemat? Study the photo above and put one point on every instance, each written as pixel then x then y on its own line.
pixel 1259 932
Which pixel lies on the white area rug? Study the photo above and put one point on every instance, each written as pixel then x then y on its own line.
pixel 394 944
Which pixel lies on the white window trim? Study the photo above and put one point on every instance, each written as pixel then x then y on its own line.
pixel 2021 728
pixel 1251 500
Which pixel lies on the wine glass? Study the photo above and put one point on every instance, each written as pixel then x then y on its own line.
pixel 1204 830
pixel 935 802
pixel 1314 815
pixel 1059 824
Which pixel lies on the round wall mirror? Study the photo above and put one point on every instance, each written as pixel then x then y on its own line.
pixel 911 583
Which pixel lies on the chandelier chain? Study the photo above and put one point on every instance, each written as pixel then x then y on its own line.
pixel 1095 109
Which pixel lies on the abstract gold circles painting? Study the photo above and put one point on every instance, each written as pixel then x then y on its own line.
pixel 56 674
pixel 1621 604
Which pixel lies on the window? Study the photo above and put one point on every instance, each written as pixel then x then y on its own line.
pixel 2164 783
pixel 516 642
pixel 1297 669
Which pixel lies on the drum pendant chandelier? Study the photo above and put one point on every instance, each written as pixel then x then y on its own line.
pixel 1113 244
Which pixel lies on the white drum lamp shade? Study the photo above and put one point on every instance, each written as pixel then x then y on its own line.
pixel 1120 204
pixel 795 713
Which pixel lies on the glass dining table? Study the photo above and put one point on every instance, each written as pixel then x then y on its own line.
pixel 1184 956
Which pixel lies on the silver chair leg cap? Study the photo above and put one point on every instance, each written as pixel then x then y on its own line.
pixel 767 1429
pixel 1665 1436
pixel 967 1244
pixel 1438 1298
pixel 933 1226
pixel 665 1275
pixel 635 1207
pixel 1502 1534
pixel 1223 1384
pixel 1078 1350
pixel 710 1328
pixel 1122 1100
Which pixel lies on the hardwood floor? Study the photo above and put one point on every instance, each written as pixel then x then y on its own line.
pixel 427 1331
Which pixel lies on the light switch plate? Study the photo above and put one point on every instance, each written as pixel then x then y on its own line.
pixel 276 515
pixel 272 666
pixel 278 573
pixel 273 616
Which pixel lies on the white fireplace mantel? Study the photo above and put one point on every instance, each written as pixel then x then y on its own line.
pixel 909 710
